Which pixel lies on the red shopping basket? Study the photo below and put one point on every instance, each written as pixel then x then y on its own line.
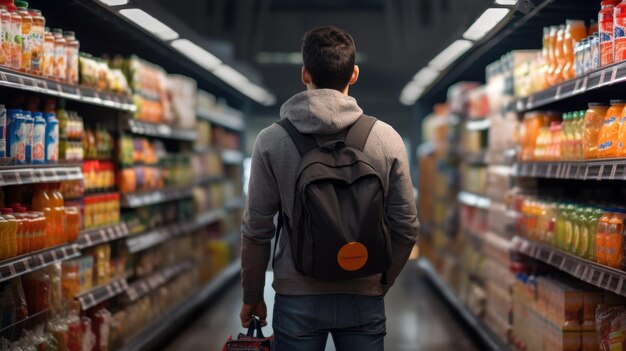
pixel 249 342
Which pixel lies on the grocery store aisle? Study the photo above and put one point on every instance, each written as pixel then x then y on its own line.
pixel 418 320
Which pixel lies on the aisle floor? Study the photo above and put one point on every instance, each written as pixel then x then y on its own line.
pixel 417 319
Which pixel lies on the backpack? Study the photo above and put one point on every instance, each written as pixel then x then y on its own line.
pixel 339 228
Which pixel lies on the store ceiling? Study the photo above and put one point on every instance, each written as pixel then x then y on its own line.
pixel 394 39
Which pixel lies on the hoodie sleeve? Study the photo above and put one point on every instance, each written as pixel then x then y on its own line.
pixel 258 223
pixel 401 208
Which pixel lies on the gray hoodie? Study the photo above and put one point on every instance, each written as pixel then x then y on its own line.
pixel 322 112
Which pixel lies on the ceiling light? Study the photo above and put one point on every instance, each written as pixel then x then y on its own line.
pixel 114 2
pixel 411 92
pixel 229 75
pixel 197 54
pixel 426 76
pixel 506 2
pixel 450 54
pixel 149 23
pixel 485 23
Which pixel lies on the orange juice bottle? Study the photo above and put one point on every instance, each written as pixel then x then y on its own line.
pixel 607 142
pixel 603 228
pixel 552 62
pixel 11 232
pixel 621 135
pixel 58 213
pixel 27 24
pixel 613 241
pixel 559 54
pixel 594 119
pixel 575 31
pixel 4 239
pixel 41 199
pixel 27 226
pixel 39 229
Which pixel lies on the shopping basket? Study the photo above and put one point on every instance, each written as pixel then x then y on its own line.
pixel 249 342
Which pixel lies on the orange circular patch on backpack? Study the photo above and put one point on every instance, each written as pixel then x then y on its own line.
pixel 352 256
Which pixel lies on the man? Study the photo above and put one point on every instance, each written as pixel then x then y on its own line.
pixel 306 310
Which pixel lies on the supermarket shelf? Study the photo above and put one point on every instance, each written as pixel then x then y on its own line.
pixel 29 174
pixel 134 200
pixel 149 284
pixel 102 293
pixel 232 157
pixel 102 235
pixel 601 276
pixel 478 124
pixel 231 120
pixel 158 236
pixel 476 159
pixel 208 179
pixel 235 203
pixel 474 200
pixel 486 335
pixel 603 77
pixel 608 169
pixel 161 130
pixel 20 265
pixel 158 331
pixel 21 81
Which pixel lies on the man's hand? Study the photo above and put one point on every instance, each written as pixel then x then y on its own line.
pixel 249 311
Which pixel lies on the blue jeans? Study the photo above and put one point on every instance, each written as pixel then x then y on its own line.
pixel 303 323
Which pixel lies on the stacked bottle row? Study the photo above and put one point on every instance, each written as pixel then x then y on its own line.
pixel 590 232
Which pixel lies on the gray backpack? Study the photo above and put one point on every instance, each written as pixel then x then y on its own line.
pixel 339 228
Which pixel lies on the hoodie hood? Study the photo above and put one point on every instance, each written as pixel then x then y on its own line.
pixel 321 111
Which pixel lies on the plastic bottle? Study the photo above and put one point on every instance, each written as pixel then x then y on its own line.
pixel 58 212
pixel 594 119
pixel 16 39
pixel 27 25
pixel 30 127
pixel 569 218
pixel 48 54
pixel 60 55
pixel 606 32
pixel 5 32
pixel 594 220
pixel 52 138
pixel 580 127
pixel 27 234
pixel 566 145
pixel 575 31
pixel 72 57
pixel 603 227
pixel 37 40
pixel 552 62
pixel 614 240
pixel 607 142
pixel 559 54
pixel 11 232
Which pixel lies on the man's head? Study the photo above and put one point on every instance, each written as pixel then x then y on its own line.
pixel 329 54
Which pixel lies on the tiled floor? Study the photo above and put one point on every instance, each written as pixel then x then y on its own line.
pixel 417 320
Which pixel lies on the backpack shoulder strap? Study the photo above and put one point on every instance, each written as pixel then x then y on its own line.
pixel 304 142
pixel 359 132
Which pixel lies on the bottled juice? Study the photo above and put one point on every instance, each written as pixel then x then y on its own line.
pixel 607 145
pixel 585 234
pixel 11 232
pixel 593 231
pixel 552 62
pixel 16 40
pixel 570 218
pixel 48 54
pixel 40 226
pixel 594 119
pixel 613 241
pixel 606 29
pixel 27 24
pixel 27 227
pixel 578 134
pixel 575 31
pixel 58 213
pixel 560 226
pixel 579 228
pixel 545 55
pixel 619 36
pixel 568 137
pixel 5 32
pixel 559 55
pixel 621 135
pixel 72 57
pixel 60 55
pixel 603 227
pixel 37 40
pixel 72 221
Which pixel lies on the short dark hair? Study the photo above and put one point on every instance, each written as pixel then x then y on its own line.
pixel 329 54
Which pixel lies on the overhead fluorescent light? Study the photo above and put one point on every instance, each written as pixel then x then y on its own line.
pixel 411 92
pixel 485 23
pixel 229 75
pixel 114 2
pixel 426 75
pixel 450 54
pixel 149 23
pixel 506 2
pixel 197 54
